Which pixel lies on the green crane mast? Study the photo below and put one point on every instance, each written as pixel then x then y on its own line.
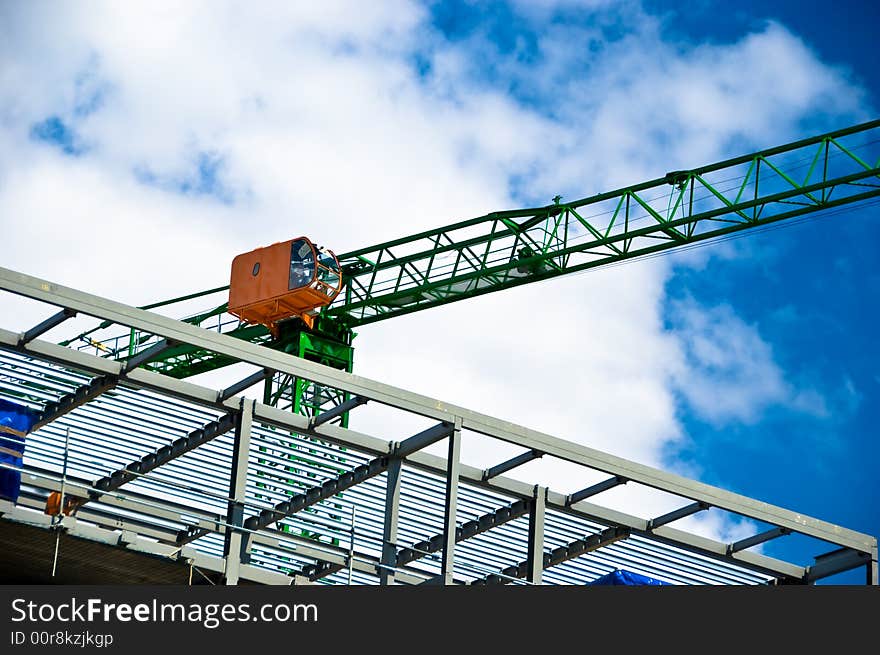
pixel 506 249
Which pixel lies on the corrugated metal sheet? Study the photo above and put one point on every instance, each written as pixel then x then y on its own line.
pixel 124 424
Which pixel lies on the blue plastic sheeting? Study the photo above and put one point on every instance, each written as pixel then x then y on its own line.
pixel 620 577
pixel 15 422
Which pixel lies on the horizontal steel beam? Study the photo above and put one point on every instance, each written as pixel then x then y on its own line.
pixel 512 463
pixel 835 562
pixel 597 488
pixel 146 355
pixel 558 555
pixel 338 411
pixel 309 497
pixel 45 326
pixel 69 402
pixel 677 514
pixel 760 538
pixel 165 454
pixel 222 344
pixel 423 439
pixel 190 392
pixel 190 534
pixel 246 383
pixel 464 531
pixel 320 570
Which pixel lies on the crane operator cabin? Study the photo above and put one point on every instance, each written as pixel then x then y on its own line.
pixel 286 279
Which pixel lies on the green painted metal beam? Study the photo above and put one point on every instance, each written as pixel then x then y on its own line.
pixel 506 249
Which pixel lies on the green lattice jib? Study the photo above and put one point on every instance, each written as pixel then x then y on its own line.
pixel 509 248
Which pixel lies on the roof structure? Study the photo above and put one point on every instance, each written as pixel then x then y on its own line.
pixel 195 479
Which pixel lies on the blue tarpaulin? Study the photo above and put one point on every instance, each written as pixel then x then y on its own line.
pixel 15 422
pixel 628 578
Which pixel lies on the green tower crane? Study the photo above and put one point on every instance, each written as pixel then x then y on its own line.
pixel 506 249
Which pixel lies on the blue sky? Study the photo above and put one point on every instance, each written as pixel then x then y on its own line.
pixel 816 284
pixel 807 289
pixel 173 140
pixel 819 276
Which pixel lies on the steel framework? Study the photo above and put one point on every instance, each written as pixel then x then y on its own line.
pixel 511 248
pixel 212 477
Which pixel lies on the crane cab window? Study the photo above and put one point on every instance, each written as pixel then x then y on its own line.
pixel 328 271
pixel 302 264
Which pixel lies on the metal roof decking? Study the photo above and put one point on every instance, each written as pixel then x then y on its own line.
pixel 181 508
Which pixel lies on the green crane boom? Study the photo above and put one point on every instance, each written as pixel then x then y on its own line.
pixel 506 249
pixel 509 248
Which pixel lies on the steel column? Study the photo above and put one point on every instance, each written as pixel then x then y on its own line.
pixel 232 547
pixel 535 560
pixel 449 514
pixel 392 515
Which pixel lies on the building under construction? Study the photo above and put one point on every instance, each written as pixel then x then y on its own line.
pixel 123 470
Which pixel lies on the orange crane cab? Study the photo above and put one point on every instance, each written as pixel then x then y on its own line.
pixel 287 279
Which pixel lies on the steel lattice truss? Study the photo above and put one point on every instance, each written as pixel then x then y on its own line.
pixel 255 493
pixel 511 248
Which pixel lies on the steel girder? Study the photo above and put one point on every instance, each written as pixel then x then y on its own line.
pixel 557 556
pixel 418 404
pixel 703 496
pixel 270 415
pixel 141 378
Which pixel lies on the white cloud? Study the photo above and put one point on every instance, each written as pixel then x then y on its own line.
pixel 322 127
pixel 729 373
